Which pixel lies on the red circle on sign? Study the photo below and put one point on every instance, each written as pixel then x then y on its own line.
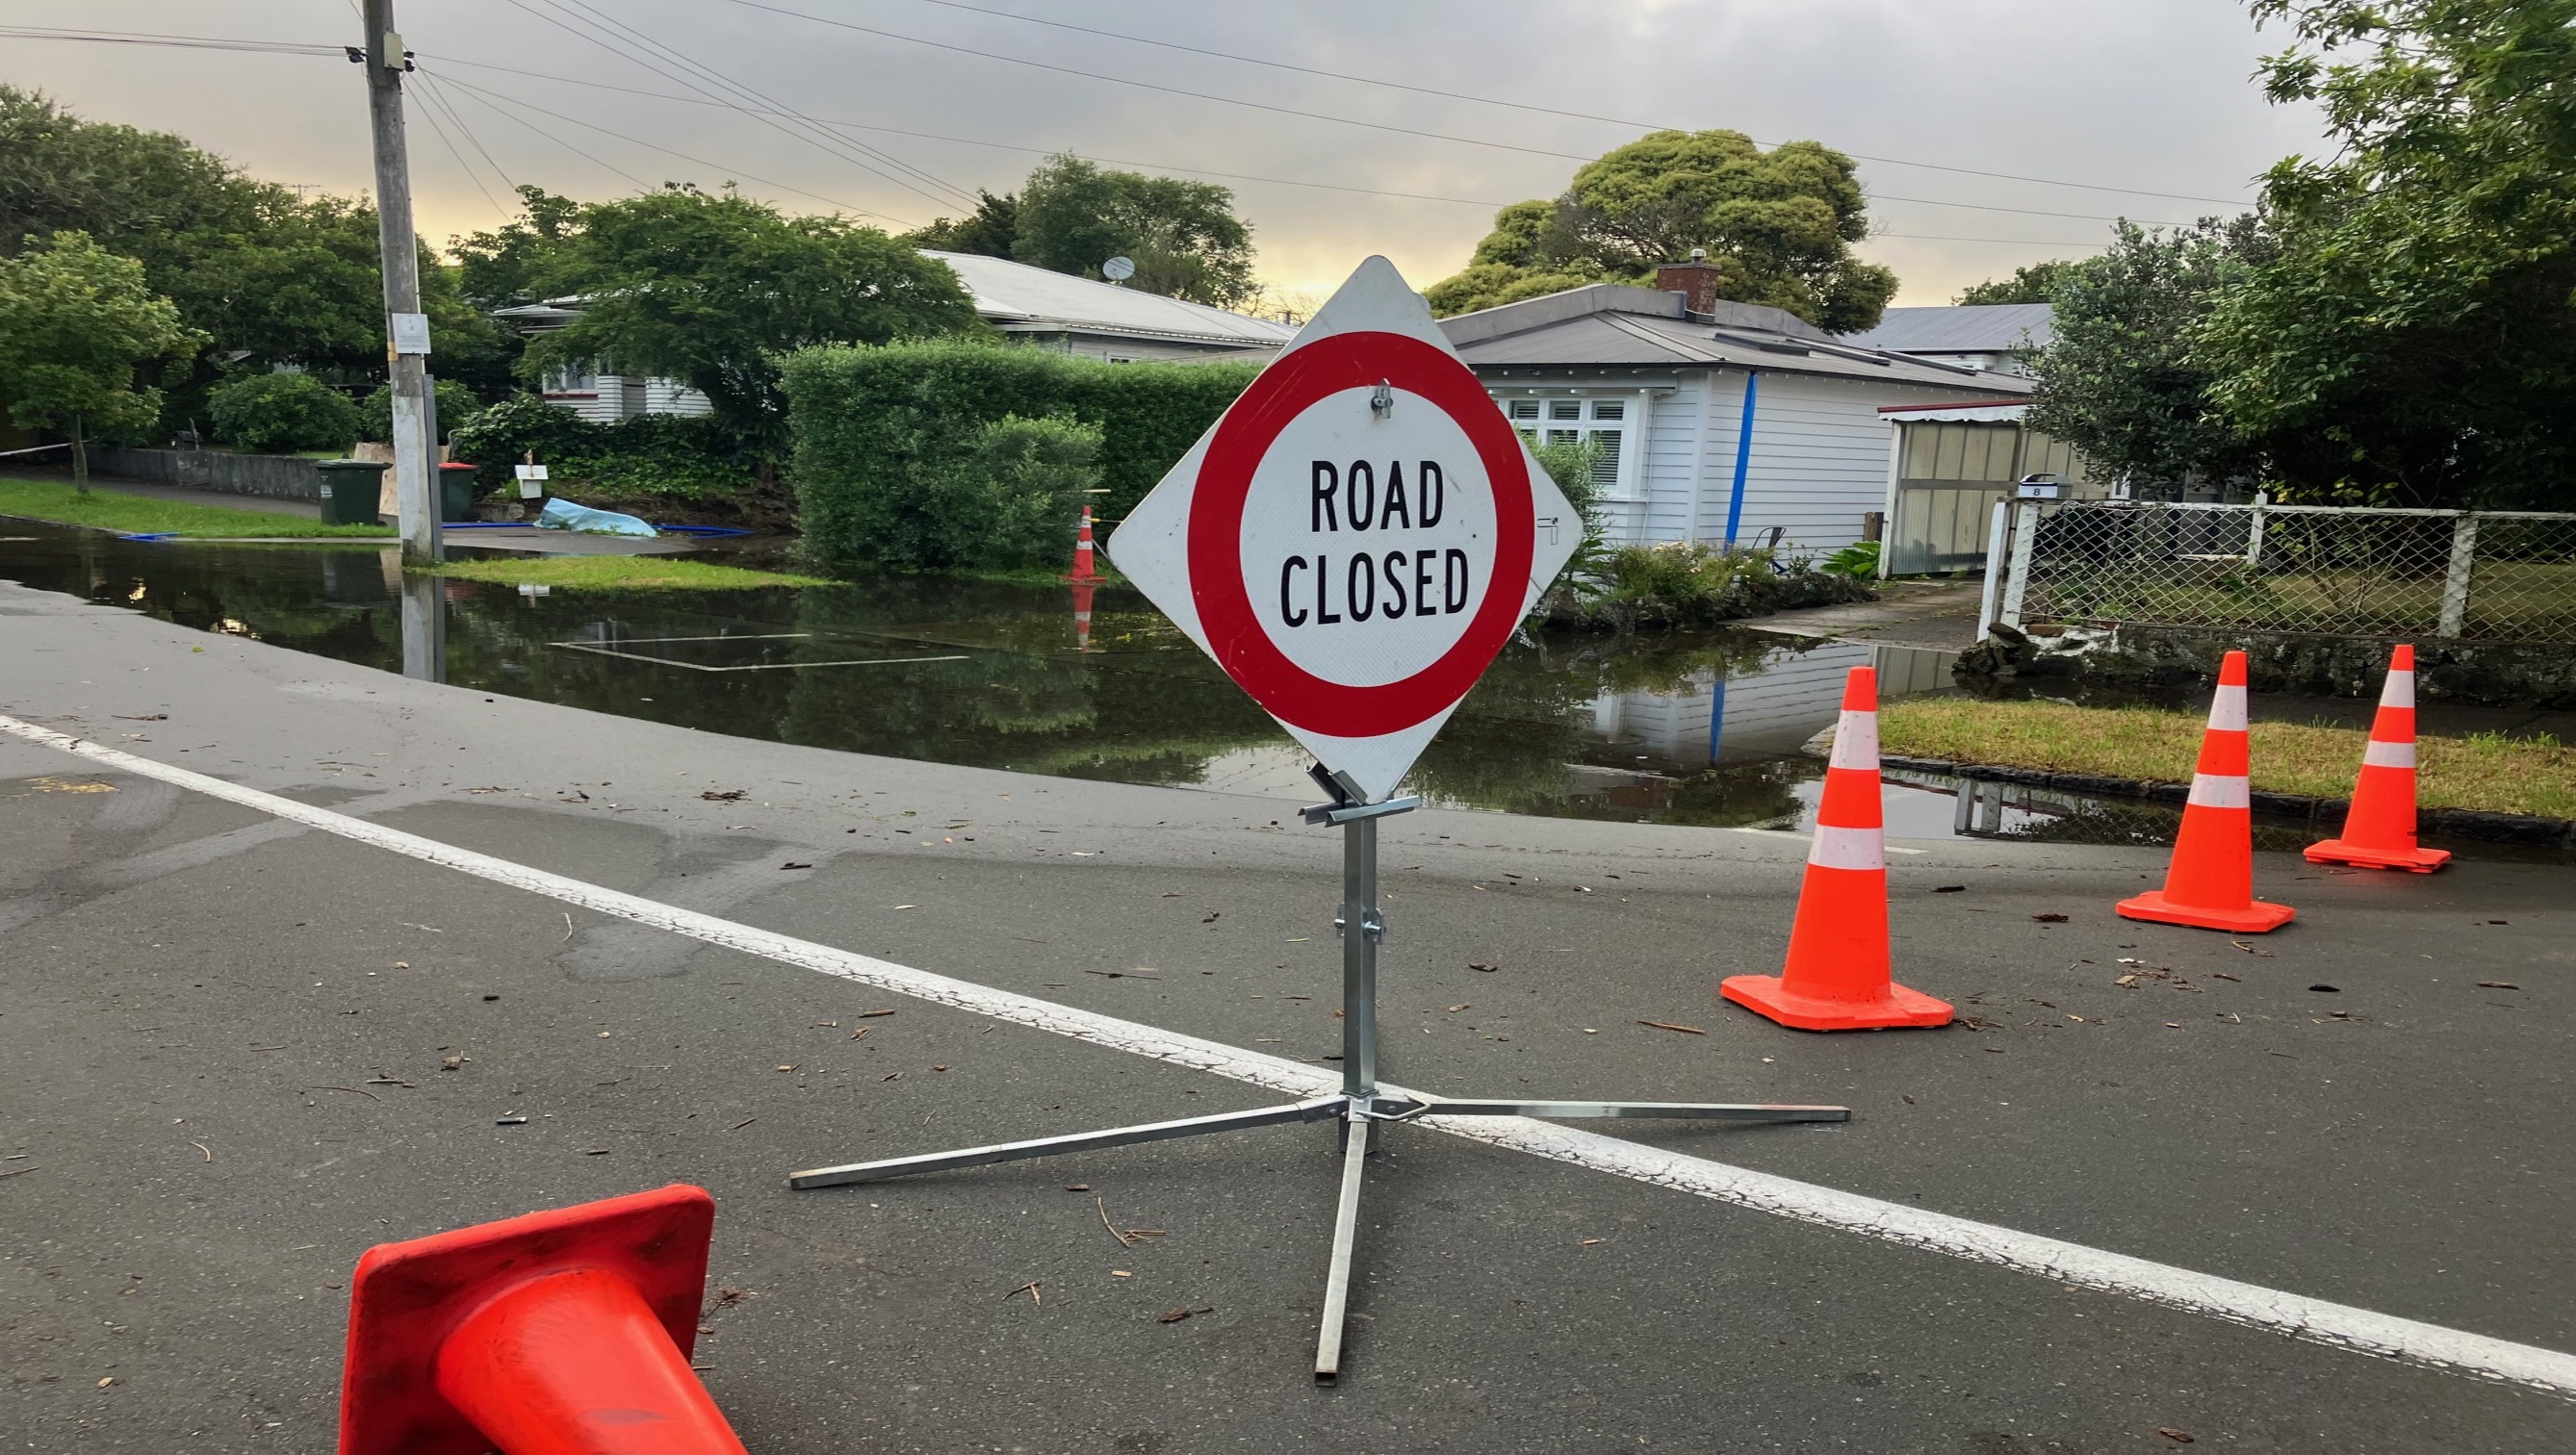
pixel 1234 634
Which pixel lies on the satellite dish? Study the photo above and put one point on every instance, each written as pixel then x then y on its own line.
pixel 1118 270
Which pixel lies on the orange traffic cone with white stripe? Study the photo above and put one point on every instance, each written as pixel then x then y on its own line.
pixel 2210 883
pixel 1836 976
pixel 2379 828
pixel 1082 567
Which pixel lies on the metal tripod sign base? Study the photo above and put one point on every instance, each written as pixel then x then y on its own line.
pixel 1360 1103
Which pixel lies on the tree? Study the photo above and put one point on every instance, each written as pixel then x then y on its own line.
pixel 990 229
pixel 498 269
pixel 1781 225
pixel 708 287
pixel 1183 237
pixel 2035 283
pixel 79 334
pixel 2414 339
pixel 2119 379
pixel 279 413
pixel 269 277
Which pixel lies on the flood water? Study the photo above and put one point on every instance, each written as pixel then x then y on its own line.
pixel 1077 682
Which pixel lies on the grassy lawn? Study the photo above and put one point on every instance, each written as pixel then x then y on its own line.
pixel 54 500
pixel 2486 771
pixel 621 573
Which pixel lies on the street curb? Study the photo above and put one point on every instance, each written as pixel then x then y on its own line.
pixel 2460 823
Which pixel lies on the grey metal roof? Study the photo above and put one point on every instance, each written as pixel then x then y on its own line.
pixel 1016 296
pixel 1639 328
pixel 1984 328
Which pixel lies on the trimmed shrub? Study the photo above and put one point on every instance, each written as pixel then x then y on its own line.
pixel 874 428
pixel 1008 497
pixel 275 414
pixel 456 405
pixel 1685 584
pixel 651 459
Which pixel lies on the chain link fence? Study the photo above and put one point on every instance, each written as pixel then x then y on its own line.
pixel 2507 576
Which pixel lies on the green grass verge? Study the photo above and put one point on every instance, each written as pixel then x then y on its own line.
pixel 2486 771
pixel 55 500
pixel 620 573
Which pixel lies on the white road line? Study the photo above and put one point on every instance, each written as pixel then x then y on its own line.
pixel 2335 1325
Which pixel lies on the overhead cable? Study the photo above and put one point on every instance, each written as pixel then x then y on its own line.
pixel 1373 125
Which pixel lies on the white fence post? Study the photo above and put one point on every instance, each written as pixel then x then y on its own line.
pixel 2254 531
pixel 1987 596
pixel 2455 581
pixel 2025 529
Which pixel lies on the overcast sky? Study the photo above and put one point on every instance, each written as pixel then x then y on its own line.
pixel 2151 95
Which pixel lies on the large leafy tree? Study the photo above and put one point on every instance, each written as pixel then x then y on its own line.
pixel 709 287
pixel 1780 223
pixel 1071 216
pixel 2415 338
pixel 498 269
pixel 991 229
pixel 2034 283
pixel 270 278
pixel 83 340
pixel 2120 378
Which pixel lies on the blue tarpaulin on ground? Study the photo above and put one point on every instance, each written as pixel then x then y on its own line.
pixel 561 514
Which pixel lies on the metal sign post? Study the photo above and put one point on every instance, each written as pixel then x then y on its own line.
pixel 1357 612
pixel 1361 1103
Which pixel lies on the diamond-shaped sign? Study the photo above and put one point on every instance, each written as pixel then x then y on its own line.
pixel 1358 536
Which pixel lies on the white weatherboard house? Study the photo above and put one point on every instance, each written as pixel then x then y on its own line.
pixel 1719 422
pixel 1031 306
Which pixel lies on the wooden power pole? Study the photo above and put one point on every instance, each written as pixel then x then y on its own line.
pixel 406 328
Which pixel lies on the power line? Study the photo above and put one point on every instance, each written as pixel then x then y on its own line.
pixel 178 42
pixel 145 38
pixel 494 97
pixel 648 62
pixel 778 106
pixel 430 112
pixel 1396 85
pixel 488 99
pixel 561 79
pixel 430 87
pixel 1542 110
pixel 1196 171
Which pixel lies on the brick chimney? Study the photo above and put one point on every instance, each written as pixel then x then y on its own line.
pixel 1695 280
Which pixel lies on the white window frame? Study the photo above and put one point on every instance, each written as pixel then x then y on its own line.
pixel 1627 484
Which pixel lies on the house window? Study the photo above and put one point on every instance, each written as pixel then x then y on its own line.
pixel 581 378
pixel 1603 422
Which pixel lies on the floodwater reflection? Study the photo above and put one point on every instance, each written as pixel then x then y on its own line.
pixel 1075 681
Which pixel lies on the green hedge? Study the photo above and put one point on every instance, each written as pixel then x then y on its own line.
pixel 282 413
pixel 651 457
pixel 874 426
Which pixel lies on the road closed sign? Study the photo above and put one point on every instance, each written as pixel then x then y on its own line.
pixel 1358 536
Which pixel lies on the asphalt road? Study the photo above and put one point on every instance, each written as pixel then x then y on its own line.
pixel 222 1042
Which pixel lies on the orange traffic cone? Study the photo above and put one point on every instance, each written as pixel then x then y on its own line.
pixel 2210 883
pixel 1836 977
pixel 559 1333
pixel 1082 591
pixel 1082 567
pixel 2379 828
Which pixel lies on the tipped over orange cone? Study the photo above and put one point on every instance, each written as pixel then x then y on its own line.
pixel 2379 828
pixel 1837 974
pixel 2210 884
pixel 559 1333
